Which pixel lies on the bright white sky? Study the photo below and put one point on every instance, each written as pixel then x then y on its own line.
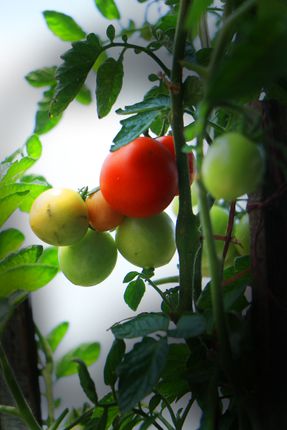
pixel 72 157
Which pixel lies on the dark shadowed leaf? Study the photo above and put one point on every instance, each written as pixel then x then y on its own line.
pixel 56 335
pixel 109 83
pixel 134 293
pixel 86 381
pixel 140 371
pixel 114 358
pixel 141 325
pixel 10 240
pixel 87 352
pixel 195 13
pixel 130 276
pixel 189 326
pixel 148 104
pixel 63 26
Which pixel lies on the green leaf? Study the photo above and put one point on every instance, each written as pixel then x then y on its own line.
pixel 86 381
pixel 28 277
pixel 72 74
pixel 27 255
pixel 132 127
pixel 195 13
pixel 140 371
pixel 111 32
pixel 114 358
pixel 260 47
pixel 57 334
pixel 30 191
pixel 141 325
pixel 130 276
pixel 43 121
pixel 108 9
pixel 109 84
pixel 50 256
pixel 34 147
pixel 134 293
pixel 98 412
pixel 44 77
pixel 84 96
pixel 10 240
pixel 63 26
pixel 87 352
pixel 148 104
pixel 193 91
pixel 9 204
pixel 189 326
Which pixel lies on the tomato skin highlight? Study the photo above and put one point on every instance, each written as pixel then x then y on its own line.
pixel 89 261
pixel 147 242
pixel 168 142
pixel 101 215
pixel 59 216
pixel 140 178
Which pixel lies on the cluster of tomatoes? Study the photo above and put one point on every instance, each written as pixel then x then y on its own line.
pixel 137 183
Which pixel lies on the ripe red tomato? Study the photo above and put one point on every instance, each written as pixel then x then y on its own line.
pixel 168 142
pixel 140 178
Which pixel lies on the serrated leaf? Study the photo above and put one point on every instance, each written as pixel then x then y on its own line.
pixel 134 293
pixel 87 352
pixel 9 204
pixel 148 104
pixel 84 96
pixel 109 84
pixel 132 127
pixel 195 13
pixel 32 191
pixel 28 277
pixel 114 358
pixel 27 255
pixel 141 325
pixel 63 26
pixel 189 326
pixel 108 9
pixel 140 371
pixel 86 381
pixel 57 334
pixel 10 240
pixel 72 74
pixel 44 77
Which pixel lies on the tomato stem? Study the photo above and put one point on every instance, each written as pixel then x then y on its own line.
pixel 187 234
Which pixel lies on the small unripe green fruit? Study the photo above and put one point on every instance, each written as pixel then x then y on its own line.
pixel 242 234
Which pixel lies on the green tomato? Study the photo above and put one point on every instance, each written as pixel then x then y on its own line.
pixel 59 216
pixel 194 200
pixel 242 234
pixel 233 166
pixel 219 222
pixel 147 242
pixel 90 260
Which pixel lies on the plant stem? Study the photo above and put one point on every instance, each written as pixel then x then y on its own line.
pixel 187 234
pixel 9 410
pixel 147 51
pixel 22 405
pixel 167 280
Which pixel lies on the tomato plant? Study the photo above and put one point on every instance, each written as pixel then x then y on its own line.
pixel 233 166
pixel 59 216
pixel 147 242
pixel 90 260
pixel 140 178
pixel 102 217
